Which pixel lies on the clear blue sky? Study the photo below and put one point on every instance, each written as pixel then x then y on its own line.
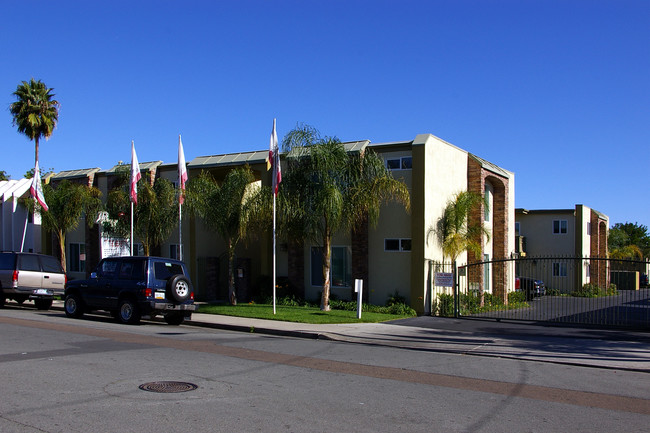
pixel 557 91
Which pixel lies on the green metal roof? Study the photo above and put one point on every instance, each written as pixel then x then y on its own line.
pixel 69 174
pixel 143 166
pixel 254 157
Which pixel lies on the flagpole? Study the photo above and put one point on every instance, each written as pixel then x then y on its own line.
pixel 274 162
pixel 131 243
pixel 180 232
pixel 274 252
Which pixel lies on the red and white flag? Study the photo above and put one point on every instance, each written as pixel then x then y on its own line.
pixel 135 175
pixel 37 189
pixel 182 171
pixel 274 160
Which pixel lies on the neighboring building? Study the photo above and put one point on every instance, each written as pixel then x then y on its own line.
pixel 20 229
pixel 562 235
pixel 395 256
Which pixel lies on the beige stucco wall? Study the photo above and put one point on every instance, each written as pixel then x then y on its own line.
pixel 390 271
pixel 538 229
pixel 441 173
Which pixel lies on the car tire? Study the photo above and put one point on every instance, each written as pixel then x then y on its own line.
pixel 43 304
pixel 178 288
pixel 73 306
pixel 128 312
pixel 174 319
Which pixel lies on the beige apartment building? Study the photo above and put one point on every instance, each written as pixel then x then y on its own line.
pixel 565 237
pixel 393 257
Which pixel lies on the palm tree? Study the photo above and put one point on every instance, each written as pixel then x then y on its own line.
pixel 35 112
pixel 455 233
pixel 235 209
pixel 327 189
pixel 154 217
pixel 67 202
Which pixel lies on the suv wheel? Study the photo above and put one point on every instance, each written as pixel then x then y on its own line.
pixel 43 304
pixel 128 312
pixel 178 287
pixel 73 306
pixel 174 319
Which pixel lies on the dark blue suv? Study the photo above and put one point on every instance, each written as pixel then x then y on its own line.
pixel 130 287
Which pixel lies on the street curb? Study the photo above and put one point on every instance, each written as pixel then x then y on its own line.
pixel 255 330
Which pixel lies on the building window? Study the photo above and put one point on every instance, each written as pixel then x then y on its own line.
pixel 174 251
pixel 559 269
pixel 397 244
pixel 559 227
pixel 588 228
pixel 340 269
pixel 77 257
pixel 138 250
pixel 403 163
pixel 517 229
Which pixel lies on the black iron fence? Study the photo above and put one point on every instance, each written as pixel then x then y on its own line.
pixel 576 290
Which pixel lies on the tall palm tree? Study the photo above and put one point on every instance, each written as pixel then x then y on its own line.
pixel 35 111
pixel 235 208
pixel 327 189
pixel 67 202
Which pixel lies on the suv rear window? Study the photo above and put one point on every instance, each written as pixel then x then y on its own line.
pixel 7 261
pixel 50 264
pixel 28 262
pixel 164 270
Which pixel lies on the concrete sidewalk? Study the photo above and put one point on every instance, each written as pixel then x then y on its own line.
pixel 587 347
pixel 613 349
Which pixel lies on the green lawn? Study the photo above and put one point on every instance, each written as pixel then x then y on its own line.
pixel 297 314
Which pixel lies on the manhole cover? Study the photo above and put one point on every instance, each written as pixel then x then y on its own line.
pixel 168 386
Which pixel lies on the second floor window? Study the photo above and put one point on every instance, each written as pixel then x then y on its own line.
pixel 403 163
pixel 559 227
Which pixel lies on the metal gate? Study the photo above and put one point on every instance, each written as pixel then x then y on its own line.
pixel 576 290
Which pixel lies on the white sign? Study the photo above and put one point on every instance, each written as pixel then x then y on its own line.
pixel 444 279
pixel 112 247
pixel 109 246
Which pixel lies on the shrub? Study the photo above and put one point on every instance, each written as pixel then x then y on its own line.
pixel 445 305
pixel 401 309
pixel 516 297
pixel 591 290
pixel 395 298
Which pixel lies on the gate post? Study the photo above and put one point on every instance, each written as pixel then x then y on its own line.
pixel 455 271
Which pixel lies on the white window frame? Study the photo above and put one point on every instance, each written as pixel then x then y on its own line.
pixel 404 163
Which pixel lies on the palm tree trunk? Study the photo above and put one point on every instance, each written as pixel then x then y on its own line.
pixel 231 273
pixel 61 236
pixel 36 151
pixel 327 256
